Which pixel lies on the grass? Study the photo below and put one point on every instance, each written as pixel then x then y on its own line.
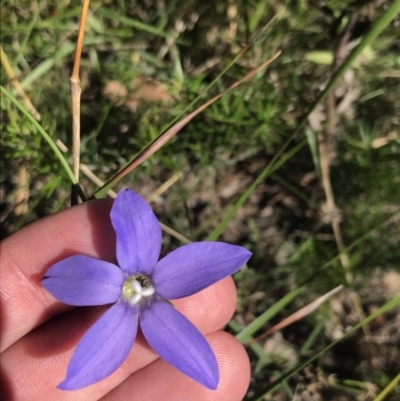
pixel 240 182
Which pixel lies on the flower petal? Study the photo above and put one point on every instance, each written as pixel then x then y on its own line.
pixel 103 348
pixel 83 281
pixel 178 342
pixel 193 267
pixel 138 233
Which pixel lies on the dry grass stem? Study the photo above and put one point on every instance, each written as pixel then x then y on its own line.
pixel 326 139
pixel 93 177
pixel 85 170
pixel 300 314
pixel 76 96
pixel 171 181
pixel 112 194
pixel 22 195
pixel 10 73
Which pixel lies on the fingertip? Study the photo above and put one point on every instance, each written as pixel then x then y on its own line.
pixel 234 365
pixel 212 307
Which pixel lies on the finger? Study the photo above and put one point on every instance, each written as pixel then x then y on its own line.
pixel 36 364
pixel 28 254
pixel 161 381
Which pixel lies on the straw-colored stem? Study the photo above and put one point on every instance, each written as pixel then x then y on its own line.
pixel 325 139
pixel 76 93
pixel 10 73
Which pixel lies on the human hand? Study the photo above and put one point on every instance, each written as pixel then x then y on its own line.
pixel 39 333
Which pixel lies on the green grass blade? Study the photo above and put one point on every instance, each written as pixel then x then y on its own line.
pixel 312 338
pixel 46 66
pixel 128 21
pixel 313 145
pixel 29 31
pixel 47 137
pixel 258 13
pixel 385 308
pixel 246 334
pixel 255 347
pixel 293 189
pixel 388 389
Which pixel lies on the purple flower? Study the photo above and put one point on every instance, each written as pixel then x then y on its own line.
pixel 139 288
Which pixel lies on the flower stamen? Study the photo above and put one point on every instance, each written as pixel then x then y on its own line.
pixel 135 288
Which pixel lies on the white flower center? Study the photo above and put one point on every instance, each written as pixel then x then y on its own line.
pixel 135 288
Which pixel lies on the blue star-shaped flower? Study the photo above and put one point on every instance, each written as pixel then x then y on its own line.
pixel 139 288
